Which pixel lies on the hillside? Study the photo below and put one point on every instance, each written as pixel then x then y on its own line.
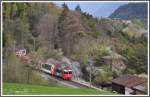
pixel 131 11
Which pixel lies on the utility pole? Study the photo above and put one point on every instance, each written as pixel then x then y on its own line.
pixel 34 44
pixel 90 63
pixel 90 75
pixel 14 46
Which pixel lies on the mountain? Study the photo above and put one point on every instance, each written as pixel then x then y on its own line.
pixel 131 11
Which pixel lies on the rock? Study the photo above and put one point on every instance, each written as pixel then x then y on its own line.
pixel 66 60
pixel 76 69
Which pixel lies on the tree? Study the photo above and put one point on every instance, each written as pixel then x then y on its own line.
pixel 138 22
pixel 47 29
pixel 78 8
pixel 15 67
pixel 102 75
pixel 62 16
pixel 137 58
pixel 64 5
pixel 70 30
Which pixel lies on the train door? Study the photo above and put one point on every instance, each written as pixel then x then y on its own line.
pixel 53 70
pixel 59 72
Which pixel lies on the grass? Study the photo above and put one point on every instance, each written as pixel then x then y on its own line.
pixel 25 89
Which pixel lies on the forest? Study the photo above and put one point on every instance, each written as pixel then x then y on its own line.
pixel 48 31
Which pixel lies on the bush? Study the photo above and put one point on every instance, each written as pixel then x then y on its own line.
pixel 103 75
pixel 52 53
pixel 92 50
pixel 138 22
pixel 37 79
pixel 137 58
pixel 129 71
pixel 13 66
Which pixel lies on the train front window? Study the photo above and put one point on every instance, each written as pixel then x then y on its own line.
pixel 67 72
pixel 70 72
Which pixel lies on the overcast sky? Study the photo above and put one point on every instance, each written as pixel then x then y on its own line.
pixel 98 9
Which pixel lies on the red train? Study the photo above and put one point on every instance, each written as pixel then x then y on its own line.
pixel 61 70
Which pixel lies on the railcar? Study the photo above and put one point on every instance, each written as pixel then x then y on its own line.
pixel 60 70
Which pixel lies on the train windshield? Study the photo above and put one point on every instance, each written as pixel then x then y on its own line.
pixel 67 72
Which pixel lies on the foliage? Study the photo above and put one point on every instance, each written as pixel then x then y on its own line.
pixel 103 75
pixel 12 66
pixel 129 71
pixel 98 51
pixel 138 22
pixel 63 14
pixel 78 8
pixel 137 57
pixel 133 31
pixel 57 54
pixel 37 79
pixel 92 50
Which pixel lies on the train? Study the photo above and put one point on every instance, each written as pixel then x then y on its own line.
pixel 62 70
pixel 58 69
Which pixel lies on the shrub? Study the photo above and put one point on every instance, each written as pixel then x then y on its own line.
pixel 37 79
pixel 129 71
pixel 103 75
pixel 52 53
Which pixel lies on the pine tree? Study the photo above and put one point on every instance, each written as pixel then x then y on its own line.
pixel 64 5
pixel 62 16
pixel 78 8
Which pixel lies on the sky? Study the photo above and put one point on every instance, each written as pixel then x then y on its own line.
pixel 97 9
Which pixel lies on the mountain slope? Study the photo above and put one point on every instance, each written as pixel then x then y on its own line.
pixel 131 11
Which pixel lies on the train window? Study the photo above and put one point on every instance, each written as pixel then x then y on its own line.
pixel 58 70
pixel 46 66
pixel 67 72
pixel 70 72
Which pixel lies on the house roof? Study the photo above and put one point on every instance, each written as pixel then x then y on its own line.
pixel 128 80
pixel 140 87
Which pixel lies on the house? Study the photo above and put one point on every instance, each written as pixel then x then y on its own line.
pixel 129 85
pixel 21 52
pixel 23 56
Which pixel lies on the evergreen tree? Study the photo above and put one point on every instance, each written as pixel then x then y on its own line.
pixel 78 8
pixel 64 5
pixel 65 10
pixel 62 16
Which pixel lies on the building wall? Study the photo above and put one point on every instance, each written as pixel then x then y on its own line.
pixel 128 91
pixel 118 88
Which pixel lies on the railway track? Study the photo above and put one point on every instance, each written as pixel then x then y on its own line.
pixel 68 83
pixel 73 83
